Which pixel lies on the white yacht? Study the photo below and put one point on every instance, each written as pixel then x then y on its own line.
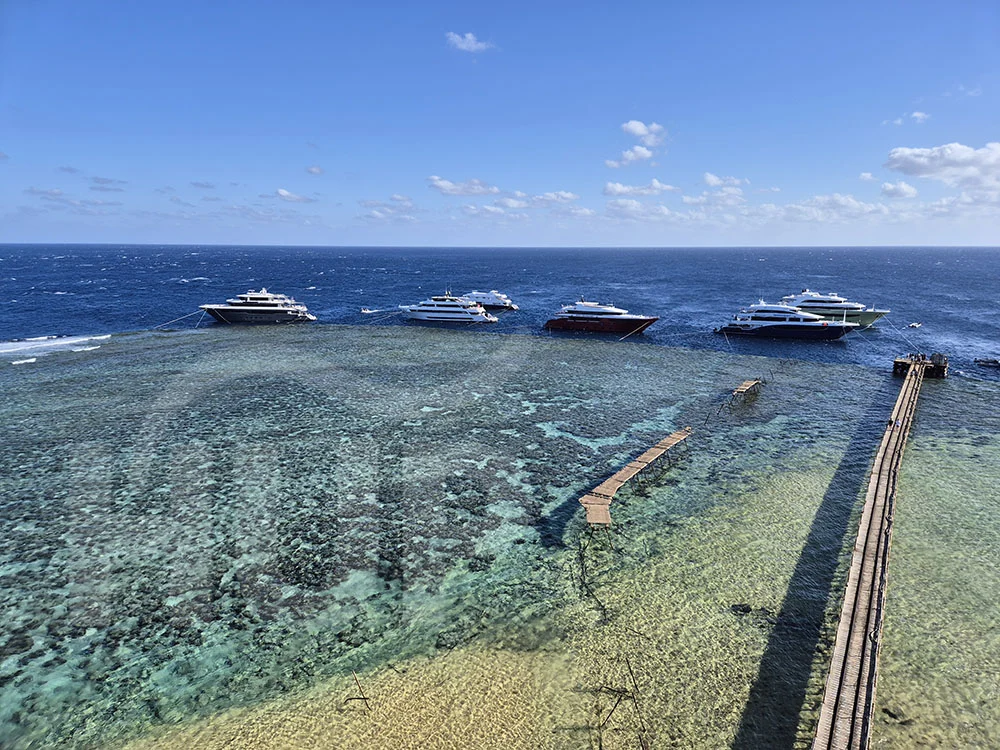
pixel 492 300
pixel 834 307
pixel 259 307
pixel 784 322
pixel 448 309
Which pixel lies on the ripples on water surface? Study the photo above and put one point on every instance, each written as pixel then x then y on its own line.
pixel 203 533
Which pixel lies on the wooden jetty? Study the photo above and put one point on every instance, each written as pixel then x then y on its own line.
pixel 745 390
pixel 597 502
pixel 845 719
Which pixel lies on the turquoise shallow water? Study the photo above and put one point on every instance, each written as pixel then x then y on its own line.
pixel 204 520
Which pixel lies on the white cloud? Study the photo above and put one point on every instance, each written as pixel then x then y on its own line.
pixel 830 209
pixel 726 196
pixel 559 196
pixel 920 117
pixel 491 212
pixel 314 169
pixel 181 202
pixel 470 187
pixel 291 197
pixel 898 190
pixel 897 121
pixel 653 188
pixel 467 43
pixel 954 164
pixel 202 185
pixel 632 210
pixel 511 203
pixel 715 181
pixel 53 193
pixel 768 190
pixel 400 209
pixel 866 177
pixel 648 135
pixel 969 92
pixel 578 212
pixel 636 153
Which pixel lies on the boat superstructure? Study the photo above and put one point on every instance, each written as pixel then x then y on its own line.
pixel 834 307
pixel 259 307
pixel 492 300
pixel 448 309
pixel 784 322
pixel 598 318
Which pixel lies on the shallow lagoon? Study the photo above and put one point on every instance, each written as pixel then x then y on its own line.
pixel 205 533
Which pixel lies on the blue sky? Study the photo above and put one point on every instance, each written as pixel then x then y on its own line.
pixel 544 123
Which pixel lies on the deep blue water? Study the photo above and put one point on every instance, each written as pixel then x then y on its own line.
pixel 82 290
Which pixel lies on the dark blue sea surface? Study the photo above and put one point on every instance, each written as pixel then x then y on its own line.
pixel 81 290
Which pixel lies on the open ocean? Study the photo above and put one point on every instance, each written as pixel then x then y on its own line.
pixel 206 529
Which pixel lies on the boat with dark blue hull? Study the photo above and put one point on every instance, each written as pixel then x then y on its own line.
pixel 785 322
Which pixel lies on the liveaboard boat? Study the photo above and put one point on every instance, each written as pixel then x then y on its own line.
pixel 259 307
pixel 598 318
pixel 987 362
pixel 448 309
pixel 492 300
pixel 784 322
pixel 834 307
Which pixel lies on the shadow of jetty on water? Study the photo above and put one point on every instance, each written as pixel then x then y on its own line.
pixel 773 712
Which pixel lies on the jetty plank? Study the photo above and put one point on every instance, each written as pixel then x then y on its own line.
pixel 845 719
pixel 597 502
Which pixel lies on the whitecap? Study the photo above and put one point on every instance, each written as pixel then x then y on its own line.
pixel 85 348
pixel 24 361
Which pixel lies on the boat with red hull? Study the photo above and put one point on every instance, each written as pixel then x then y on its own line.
pixel 597 318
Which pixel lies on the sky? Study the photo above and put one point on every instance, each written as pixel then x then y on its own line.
pixel 500 124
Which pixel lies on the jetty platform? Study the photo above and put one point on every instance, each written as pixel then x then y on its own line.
pixel 597 502
pixel 845 719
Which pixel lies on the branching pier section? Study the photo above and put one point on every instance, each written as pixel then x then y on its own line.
pixel 597 502
pixel 845 719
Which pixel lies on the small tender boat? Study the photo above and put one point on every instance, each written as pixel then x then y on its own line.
pixel 598 318
pixel 987 362
pixel 784 322
pixel 259 307
pixel 914 325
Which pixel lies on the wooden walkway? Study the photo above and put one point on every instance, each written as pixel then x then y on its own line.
pixel 597 502
pixel 746 387
pixel 845 719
